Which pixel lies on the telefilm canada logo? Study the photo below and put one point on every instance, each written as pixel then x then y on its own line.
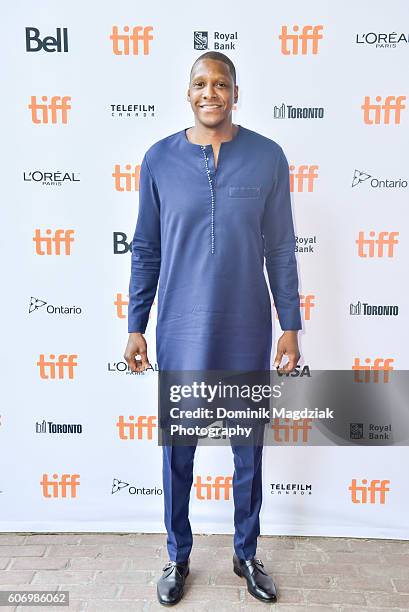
pixel 52 309
pixel 51 178
pixel 120 486
pixel 291 488
pixel 288 111
pixel 377 183
pixel 132 111
pixel 219 41
pixel 382 40
pixel 57 428
pixel 373 310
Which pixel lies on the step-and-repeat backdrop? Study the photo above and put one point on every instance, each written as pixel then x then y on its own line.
pixel 87 88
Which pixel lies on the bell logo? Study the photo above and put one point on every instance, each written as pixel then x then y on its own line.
pixel 305 174
pixel 290 42
pixel 370 373
pixel 128 44
pixel 128 179
pixel 144 426
pixel 377 491
pixel 58 243
pixel 48 113
pixel 292 429
pixel 64 365
pixel 366 246
pixel 373 114
pixel 66 487
pixel 213 487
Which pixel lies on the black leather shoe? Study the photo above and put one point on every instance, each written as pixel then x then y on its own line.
pixel 259 583
pixel 171 583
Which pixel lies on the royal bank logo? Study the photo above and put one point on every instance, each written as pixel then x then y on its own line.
pixel 376 183
pixel 52 178
pixel 220 41
pixel 305 244
pixel 119 486
pixel 378 40
pixel 132 111
pixel 288 111
pixel 201 40
pixel 373 310
pixel 291 488
pixel 38 304
pixel 356 431
pixel 375 431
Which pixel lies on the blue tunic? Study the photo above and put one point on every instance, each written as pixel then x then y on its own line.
pixel 203 232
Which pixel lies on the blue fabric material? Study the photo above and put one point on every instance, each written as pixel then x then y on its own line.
pixel 247 495
pixel 203 233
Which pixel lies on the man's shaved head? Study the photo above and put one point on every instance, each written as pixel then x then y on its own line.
pixel 216 55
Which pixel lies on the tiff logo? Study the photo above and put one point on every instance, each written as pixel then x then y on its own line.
pixel 374 114
pixel 57 244
pixel 372 494
pixel 213 488
pixel 371 372
pixel 305 174
pixel 128 179
pixel 309 34
pixel 291 429
pixel 63 365
pixel 66 487
pixel 143 427
pixel 129 44
pixel 49 113
pixel 366 246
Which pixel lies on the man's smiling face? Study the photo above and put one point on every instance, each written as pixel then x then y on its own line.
pixel 212 92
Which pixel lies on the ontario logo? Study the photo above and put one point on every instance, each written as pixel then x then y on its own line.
pixel 376 183
pixel 122 486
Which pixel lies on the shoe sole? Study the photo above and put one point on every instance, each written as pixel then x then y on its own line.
pixel 241 575
pixel 173 603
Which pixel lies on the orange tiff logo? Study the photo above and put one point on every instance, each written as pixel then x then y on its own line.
pixel 303 179
pixel 129 42
pixel 370 373
pixel 50 113
pixel 63 365
pixel 374 114
pixel 213 488
pixel 143 427
pixel 66 487
pixel 128 179
pixel 384 241
pixel 292 429
pixel 376 490
pixel 58 243
pixel 309 37
pixel 121 305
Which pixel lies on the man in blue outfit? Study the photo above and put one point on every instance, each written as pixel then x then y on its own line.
pixel 214 205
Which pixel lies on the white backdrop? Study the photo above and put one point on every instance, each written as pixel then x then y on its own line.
pixel 119 480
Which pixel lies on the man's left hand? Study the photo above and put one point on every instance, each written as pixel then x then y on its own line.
pixel 287 345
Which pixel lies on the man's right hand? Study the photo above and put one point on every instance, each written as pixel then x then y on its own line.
pixel 136 346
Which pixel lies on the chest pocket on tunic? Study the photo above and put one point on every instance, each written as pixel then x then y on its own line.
pixel 247 191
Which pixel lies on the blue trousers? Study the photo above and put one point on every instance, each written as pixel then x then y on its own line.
pixel 247 496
